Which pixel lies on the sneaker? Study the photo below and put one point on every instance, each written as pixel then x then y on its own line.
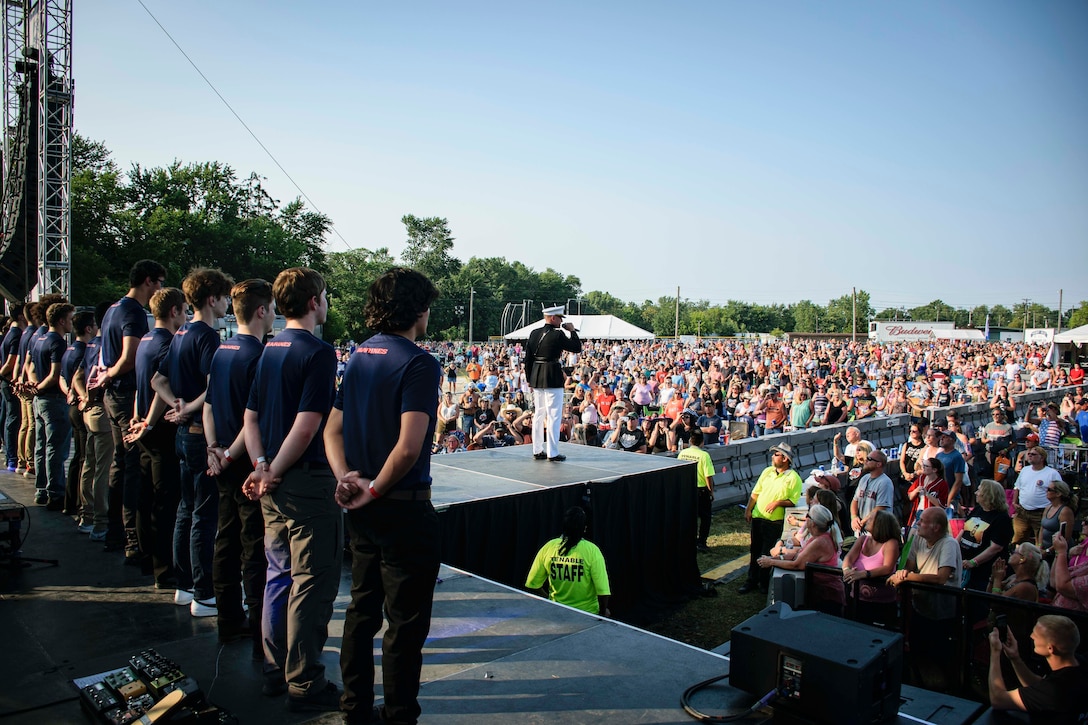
pixel 41 497
pixel 183 597
pixel 13 469
pixel 19 470
pixel 85 528
pixel 55 504
pixel 28 473
pixel 324 700
pixel 98 535
pixel 204 608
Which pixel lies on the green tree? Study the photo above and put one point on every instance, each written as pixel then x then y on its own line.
pixel 935 311
pixel 184 215
pixel 806 316
pixel 1000 316
pixel 429 247
pixel 1033 314
pixel 349 277
pixel 840 314
pixel 98 230
pixel 1079 316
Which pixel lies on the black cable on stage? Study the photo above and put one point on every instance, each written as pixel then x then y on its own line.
pixel 703 717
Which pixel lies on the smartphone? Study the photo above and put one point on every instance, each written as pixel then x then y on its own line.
pixel 1002 624
pixel 1062 529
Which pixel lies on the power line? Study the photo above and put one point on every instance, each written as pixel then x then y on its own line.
pixel 244 124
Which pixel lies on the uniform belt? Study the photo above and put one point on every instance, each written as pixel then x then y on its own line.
pixel 311 466
pixel 421 494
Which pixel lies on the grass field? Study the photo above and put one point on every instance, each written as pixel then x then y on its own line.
pixel 706 622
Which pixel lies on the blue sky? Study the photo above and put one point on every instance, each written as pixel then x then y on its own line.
pixel 767 152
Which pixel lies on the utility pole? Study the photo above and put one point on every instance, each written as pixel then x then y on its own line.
pixel 1026 301
pixel 854 316
pixel 676 324
pixel 1060 310
pixel 471 295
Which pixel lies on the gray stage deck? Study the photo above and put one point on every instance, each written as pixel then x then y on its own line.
pixel 495 654
pixel 491 473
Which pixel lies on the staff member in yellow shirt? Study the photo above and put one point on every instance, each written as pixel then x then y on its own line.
pixel 778 488
pixel 704 479
pixel 570 570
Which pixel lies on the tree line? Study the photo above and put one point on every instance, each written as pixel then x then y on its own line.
pixel 204 214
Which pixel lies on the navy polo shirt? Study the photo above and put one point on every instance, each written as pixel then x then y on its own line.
pixel 90 355
pixel 233 367
pixel 388 375
pixel 10 345
pixel 296 374
pixel 72 360
pixel 36 340
pixel 49 350
pixel 24 345
pixel 190 359
pixel 124 318
pixel 150 353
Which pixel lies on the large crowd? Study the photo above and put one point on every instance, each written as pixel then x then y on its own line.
pixel 647 397
pixel 197 457
pixel 975 507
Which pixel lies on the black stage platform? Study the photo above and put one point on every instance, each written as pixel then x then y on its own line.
pixel 498 506
pixel 494 655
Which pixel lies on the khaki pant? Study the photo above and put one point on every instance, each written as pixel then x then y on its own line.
pixel 26 434
pixel 304 546
pixel 95 477
pixel 1025 525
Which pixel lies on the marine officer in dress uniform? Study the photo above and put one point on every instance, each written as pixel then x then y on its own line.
pixel 546 378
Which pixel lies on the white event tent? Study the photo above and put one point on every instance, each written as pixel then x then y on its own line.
pixel 592 327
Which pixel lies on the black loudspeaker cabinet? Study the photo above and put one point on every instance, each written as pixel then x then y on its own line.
pixel 826 669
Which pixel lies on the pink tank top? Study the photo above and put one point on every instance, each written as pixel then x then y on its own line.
pixel 833 560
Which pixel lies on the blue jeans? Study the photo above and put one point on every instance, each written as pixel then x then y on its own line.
pixel 13 416
pixel 198 514
pixel 468 426
pixel 54 438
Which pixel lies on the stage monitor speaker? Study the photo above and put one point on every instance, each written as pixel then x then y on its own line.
pixel 826 669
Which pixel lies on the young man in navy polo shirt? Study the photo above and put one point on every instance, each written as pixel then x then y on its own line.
pixel 123 326
pixel 154 436
pixel 182 382
pixel 378 441
pixel 291 395
pixel 239 564
pixel 13 409
pixel 84 328
pixel 51 407
pixel 35 315
pixel 95 476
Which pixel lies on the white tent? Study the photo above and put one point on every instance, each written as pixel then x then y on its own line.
pixel 1061 350
pixel 1076 336
pixel 592 327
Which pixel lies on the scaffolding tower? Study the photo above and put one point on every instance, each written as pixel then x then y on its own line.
pixel 36 242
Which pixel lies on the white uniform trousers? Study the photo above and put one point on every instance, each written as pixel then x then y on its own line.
pixel 548 404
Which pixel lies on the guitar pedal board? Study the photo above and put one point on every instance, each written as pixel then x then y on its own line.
pixel 143 692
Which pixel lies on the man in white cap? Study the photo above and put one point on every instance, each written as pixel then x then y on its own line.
pixel 778 488
pixel 546 378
